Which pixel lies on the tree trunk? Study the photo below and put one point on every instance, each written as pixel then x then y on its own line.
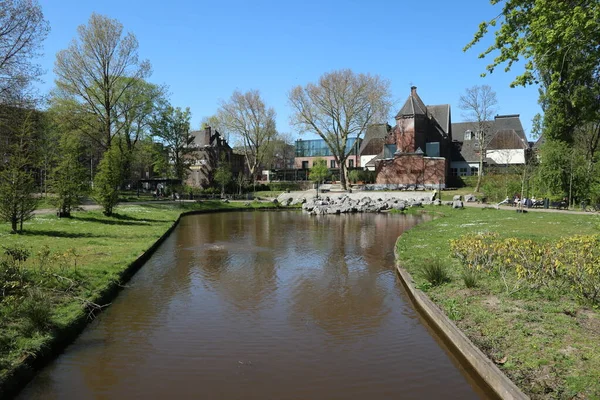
pixel 343 174
pixel 480 172
pixel 13 224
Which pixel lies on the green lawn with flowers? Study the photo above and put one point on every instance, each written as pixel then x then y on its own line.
pixel 546 338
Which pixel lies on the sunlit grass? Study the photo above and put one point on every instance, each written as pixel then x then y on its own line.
pixel 550 340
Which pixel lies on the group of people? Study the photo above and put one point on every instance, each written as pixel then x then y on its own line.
pixel 528 202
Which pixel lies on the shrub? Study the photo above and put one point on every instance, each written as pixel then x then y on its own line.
pixel 36 311
pixel 572 261
pixel 470 278
pixel 434 272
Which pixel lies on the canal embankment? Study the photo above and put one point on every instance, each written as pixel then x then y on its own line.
pixel 60 273
pixel 544 336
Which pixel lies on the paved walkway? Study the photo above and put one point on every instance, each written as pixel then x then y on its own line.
pixel 511 208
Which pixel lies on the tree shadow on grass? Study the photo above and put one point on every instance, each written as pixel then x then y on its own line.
pixel 124 217
pixel 63 234
pixel 112 221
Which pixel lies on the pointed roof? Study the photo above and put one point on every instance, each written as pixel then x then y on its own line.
pixel 374 139
pixel 413 105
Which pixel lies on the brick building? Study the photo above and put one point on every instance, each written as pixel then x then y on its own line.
pixel 211 148
pixel 417 150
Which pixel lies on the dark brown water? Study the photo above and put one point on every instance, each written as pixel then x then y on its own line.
pixel 263 305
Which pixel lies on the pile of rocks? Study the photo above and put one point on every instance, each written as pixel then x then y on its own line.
pixel 344 204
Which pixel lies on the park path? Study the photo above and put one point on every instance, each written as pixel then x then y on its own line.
pixel 90 207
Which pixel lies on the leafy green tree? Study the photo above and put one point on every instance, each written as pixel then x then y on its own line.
pixel 96 72
pixel 69 179
pixel 319 172
pixel 223 174
pixel 17 184
pixel 172 128
pixel 108 180
pixel 559 41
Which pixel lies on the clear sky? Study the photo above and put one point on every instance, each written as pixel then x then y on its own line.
pixel 204 50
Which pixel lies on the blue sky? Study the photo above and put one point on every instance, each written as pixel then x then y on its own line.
pixel 204 50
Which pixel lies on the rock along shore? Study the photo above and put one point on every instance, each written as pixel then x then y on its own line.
pixel 361 202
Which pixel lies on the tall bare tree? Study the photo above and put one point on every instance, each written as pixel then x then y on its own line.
pixel 94 73
pixel 247 117
pixel 340 106
pixel 22 31
pixel 479 106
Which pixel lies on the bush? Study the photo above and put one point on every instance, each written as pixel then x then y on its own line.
pixel 36 310
pixel 435 272
pixel 572 261
pixel 470 278
pixel 283 186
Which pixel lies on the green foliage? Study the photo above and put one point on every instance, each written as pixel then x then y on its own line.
pixel 354 176
pixel 571 261
pixel 223 174
pixel 283 186
pixel 367 176
pixel 108 180
pixel 498 186
pixel 69 178
pixel 319 171
pixel 17 185
pixel 36 310
pixel 470 278
pixel 173 130
pixel 559 41
pixel 435 272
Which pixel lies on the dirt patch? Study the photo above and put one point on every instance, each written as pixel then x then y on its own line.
pixel 492 302
pixel 589 320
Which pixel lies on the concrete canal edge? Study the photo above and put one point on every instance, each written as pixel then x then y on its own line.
pixel 16 379
pixel 478 362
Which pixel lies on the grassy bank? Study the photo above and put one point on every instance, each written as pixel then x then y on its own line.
pixel 54 274
pixel 547 341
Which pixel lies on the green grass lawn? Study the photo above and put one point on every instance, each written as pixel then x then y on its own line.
pixel 447 195
pixel 268 193
pixel 549 340
pixel 71 261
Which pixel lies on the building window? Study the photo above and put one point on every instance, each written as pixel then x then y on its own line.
pixel 468 135
pixel 474 171
pixel 304 164
pixel 432 149
pixel 332 164
pixel 453 172
pixel 351 163
pixel 462 172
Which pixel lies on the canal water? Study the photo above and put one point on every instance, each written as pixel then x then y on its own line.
pixel 262 305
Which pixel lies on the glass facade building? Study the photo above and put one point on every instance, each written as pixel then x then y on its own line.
pixel 318 148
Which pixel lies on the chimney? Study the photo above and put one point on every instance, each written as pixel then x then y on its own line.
pixel 207 136
pixel 413 90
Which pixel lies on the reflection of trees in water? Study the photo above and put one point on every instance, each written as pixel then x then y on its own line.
pixel 343 295
pixel 236 259
pixel 341 305
pixel 237 255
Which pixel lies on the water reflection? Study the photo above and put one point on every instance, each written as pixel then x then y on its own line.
pixel 261 305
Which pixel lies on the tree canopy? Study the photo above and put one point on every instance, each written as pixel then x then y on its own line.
pixel 559 41
pixel 96 71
